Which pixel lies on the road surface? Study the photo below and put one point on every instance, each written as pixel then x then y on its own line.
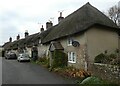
pixel 0 70
pixel 14 72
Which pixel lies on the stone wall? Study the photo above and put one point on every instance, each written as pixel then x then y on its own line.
pixel 107 72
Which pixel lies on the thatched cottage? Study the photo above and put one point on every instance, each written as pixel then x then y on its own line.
pixel 82 35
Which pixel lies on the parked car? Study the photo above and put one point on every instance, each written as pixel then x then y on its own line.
pixel 10 55
pixel 23 57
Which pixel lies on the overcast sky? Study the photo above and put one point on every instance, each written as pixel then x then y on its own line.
pixel 16 16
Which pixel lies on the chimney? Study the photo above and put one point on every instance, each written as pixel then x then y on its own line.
pixel 18 37
pixel 49 24
pixel 26 33
pixel 60 18
pixel 41 29
pixel 10 39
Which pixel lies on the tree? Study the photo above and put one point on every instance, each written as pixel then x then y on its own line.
pixel 114 14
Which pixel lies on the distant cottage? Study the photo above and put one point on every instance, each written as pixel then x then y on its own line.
pixel 82 35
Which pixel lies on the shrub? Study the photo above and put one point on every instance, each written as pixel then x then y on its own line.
pixel 72 72
pixel 116 61
pixel 107 59
pixel 93 80
pixel 113 56
pixel 59 59
pixel 44 61
pixel 100 58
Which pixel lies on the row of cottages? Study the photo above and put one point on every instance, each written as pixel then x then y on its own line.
pixel 82 35
pixel 1 51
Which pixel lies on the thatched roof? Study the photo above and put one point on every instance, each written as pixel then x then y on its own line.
pixel 7 45
pixel 28 41
pixel 55 46
pixel 78 21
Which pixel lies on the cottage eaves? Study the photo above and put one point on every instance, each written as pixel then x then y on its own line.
pixel 78 21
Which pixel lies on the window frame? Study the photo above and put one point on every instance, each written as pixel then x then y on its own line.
pixel 39 41
pixel 69 41
pixel 72 57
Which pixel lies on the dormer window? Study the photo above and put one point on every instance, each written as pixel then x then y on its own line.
pixel 70 41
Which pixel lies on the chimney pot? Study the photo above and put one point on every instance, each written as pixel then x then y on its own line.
pixel 10 39
pixel 26 33
pixel 60 18
pixel 42 29
pixel 49 24
pixel 18 37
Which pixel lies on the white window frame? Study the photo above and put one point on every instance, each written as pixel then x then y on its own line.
pixel 69 41
pixel 39 41
pixel 72 57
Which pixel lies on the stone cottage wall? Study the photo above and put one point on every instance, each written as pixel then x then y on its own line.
pixel 106 72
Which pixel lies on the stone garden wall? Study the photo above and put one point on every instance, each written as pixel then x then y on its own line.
pixel 107 72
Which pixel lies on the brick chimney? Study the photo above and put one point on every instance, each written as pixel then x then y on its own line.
pixel 10 39
pixel 49 24
pixel 26 33
pixel 60 18
pixel 41 29
pixel 18 37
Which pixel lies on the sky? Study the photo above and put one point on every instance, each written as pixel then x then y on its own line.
pixel 17 16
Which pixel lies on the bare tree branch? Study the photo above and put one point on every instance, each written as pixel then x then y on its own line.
pixel 114 14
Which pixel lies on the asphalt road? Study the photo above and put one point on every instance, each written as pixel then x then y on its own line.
pixel 14 72
pixel 0 70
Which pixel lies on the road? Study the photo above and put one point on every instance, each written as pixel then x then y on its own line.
pixel 14 72
pixel 0 70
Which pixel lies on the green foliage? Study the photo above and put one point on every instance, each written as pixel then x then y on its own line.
pixel 112 56
pixel 99 58
pixel 116 61
pixel 92 80
pixel 107 59
pixel 59 59
pixel 44 61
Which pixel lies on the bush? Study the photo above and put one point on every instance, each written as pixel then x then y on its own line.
pixel 92 80
pixel 116 62
pixel 44 61
pixel 72 72
pixel 103 58
pixel 100 58
pixel 59 59
pixel 113 56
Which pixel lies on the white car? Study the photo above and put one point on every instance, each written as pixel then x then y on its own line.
pixel 23 57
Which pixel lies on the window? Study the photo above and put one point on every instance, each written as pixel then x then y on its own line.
pixel 72 57
pixel 39 41
pixel 70 41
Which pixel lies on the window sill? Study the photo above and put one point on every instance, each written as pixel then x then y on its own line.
pixel 69 44
pixel 71 62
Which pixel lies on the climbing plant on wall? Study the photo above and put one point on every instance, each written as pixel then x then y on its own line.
pixel 59 59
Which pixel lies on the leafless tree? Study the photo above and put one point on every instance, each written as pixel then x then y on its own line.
pixel 114 14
